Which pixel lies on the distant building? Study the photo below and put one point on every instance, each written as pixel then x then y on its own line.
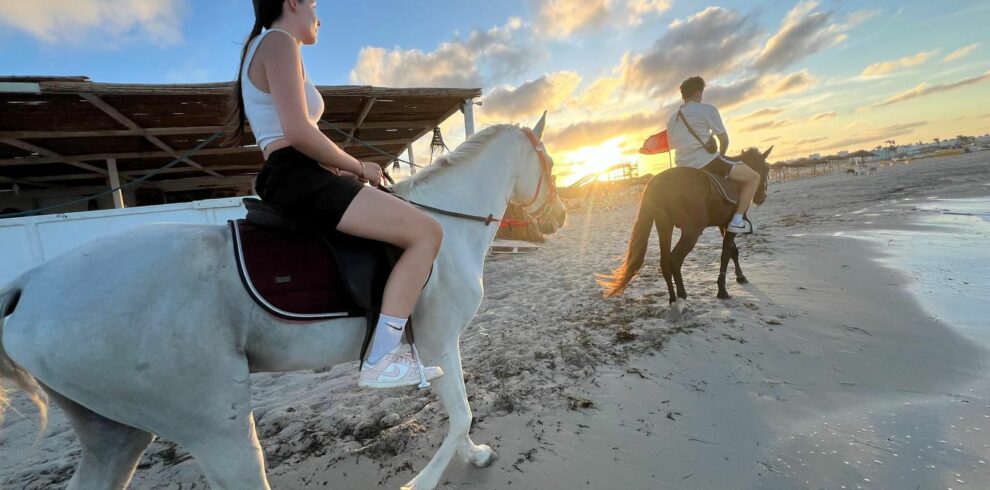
pixel 843 154
pixel 815 156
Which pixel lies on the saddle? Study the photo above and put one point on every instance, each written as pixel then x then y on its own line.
pixel 726 188
pixel 295 272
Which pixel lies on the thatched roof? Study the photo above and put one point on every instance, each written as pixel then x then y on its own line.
pixel 59 132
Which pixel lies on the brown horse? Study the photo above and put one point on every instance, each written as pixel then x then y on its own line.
pixel 684 198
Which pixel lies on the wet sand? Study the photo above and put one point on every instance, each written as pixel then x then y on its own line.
pixel 825 372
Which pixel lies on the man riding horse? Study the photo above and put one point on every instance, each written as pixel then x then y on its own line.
pixel 691 131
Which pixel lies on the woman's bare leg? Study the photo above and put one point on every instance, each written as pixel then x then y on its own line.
pixel 378 216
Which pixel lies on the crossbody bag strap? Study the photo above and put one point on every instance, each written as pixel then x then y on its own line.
pixel 681 115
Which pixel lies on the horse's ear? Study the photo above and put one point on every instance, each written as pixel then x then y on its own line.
pixel 767 153
pixel 540 126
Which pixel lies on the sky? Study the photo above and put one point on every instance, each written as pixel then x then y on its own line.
pixel 805 76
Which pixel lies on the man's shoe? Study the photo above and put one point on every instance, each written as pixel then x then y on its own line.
pixel 399 368
pixel 746 228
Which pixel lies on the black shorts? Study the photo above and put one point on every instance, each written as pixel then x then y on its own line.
pixel 304 190
pixel 720 166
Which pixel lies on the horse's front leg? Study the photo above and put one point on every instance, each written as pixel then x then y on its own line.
pixel 452 393
pixel 727 239
pixel 740 278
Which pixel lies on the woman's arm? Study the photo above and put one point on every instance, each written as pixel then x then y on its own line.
pixel 283 70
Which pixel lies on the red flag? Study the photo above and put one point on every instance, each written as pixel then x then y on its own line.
pixel 656 144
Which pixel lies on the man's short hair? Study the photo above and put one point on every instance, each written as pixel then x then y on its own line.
pixel 691 86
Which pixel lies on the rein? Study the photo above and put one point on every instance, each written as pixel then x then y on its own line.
pixel 540 215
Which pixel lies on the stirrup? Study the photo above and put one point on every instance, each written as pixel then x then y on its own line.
pixel 423 383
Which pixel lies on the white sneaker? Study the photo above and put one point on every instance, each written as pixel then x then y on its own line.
pixel 746 228
pixel 399 368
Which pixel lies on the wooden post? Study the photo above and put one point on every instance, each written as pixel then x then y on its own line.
pixel 412 160
pixel 118 195
pixel 468 109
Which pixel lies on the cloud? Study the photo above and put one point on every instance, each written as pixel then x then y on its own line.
pixel 804 32
pixel 561 19
pixel 758 88
pixel 638 9
pixel 102 21
pixel 598 94
pixel 769 111
pixel 824 116
pixel 547 92
pixel 961 53
pixel 766 125
pixel 594 132
pixel 884 67
pixel 473 62
pixel 709 43
pixel 877 135
pixel 924 89
pixel 807 141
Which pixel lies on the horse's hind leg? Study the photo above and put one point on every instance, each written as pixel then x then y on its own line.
pixel 110 450
pixel 666 232
pixel 684 246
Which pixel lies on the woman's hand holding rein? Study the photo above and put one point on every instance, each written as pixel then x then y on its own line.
pixel 374 177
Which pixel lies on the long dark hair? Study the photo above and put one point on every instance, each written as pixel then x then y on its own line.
pixel 266 12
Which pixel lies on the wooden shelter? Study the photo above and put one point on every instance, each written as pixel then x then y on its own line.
pixel 69 137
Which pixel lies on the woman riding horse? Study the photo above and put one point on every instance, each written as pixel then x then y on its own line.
pixel 311 178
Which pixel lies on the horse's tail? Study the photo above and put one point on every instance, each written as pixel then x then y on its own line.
pixel 10 370
pixel 616 282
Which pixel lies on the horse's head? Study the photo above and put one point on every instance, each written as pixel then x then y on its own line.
pixel 535 190
pixel 758 162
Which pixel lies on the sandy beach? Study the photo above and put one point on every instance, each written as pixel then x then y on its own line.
pixel 834 368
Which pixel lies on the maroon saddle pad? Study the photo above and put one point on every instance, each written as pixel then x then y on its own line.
pixel 291 274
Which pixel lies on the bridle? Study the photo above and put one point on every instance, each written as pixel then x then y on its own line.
pixel 540 214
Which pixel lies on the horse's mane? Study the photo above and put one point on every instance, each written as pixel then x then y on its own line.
pixel 464 151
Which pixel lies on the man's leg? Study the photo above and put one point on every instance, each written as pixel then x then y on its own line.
pixel 748 179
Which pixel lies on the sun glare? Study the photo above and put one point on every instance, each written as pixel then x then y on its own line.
pixel 591 159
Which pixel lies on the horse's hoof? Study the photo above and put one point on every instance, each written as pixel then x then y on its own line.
pixel 724 295
pixel 676 311
pixel 742 280
pixel 489 460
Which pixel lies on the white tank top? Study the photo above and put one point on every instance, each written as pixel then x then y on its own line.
pixel 259 107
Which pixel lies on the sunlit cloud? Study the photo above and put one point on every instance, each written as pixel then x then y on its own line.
pixel 595 132
pixel 885 67
pixel 805 31
pixel 102 22
pixel 824 116
pixel 765 112
pixel 548 92
pixel 560 19
pixel 925 89
pixel 473 62
pixel 766 125
pixel 961 53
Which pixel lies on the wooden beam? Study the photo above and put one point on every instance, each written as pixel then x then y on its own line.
pixel 360 120
pixel 193 130
pixel 11 180
pixel 128 123
pixel 138 173
pixel 118 194
pixel 51 155
pixel 13 162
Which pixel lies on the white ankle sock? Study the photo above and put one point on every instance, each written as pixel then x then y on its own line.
pixel 388 335
pixel 737 219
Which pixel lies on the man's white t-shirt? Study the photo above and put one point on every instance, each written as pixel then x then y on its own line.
pixel 706 121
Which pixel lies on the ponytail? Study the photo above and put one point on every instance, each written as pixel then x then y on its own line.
pixel 266 12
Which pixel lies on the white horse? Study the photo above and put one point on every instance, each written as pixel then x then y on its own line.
pixel 151 332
